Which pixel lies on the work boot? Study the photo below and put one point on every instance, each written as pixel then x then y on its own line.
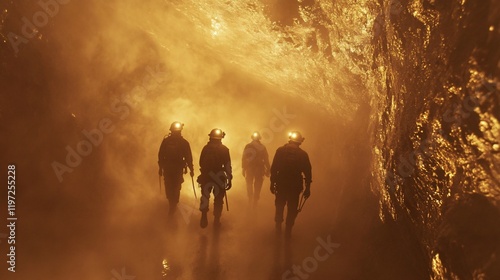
pixel 204 220
pixel 217 221
pixel 288 232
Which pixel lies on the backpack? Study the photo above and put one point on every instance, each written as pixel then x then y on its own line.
pixel 254 157
pixel 291 160
pixel 171 152
pixel 211 158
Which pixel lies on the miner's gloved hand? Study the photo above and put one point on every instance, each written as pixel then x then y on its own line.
pixel 273 187
pixel 229 185
pixel 307 192
pixel 160 172
pixel 191 173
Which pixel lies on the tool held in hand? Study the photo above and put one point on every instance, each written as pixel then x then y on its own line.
pixel 159 181
pixel 192 181
pixel 302 202
pixel 227 204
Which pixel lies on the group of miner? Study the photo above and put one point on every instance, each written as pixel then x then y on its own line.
pixel 289 172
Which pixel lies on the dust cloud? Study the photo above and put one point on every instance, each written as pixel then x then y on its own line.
pixel 87 100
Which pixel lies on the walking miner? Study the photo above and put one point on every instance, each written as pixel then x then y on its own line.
pixel 174 158
pixel 255 164
pixel 215 176
pixel 290 163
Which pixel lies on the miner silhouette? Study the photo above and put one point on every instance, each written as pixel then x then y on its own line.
pixel 290 163
pixel 255 164
pixel 215 176
pixel 174 157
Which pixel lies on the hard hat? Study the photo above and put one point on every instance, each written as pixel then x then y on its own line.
pixel 256 136
pixel 176 126
pixel 296 137
pixel 216 133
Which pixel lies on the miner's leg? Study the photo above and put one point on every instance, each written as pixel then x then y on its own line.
pixel 279 202
pixel 219 194
pixel 292 204
pixel 172 191
pixel 249 180
pixel 258 186
pixel 176 192
pixel 204 201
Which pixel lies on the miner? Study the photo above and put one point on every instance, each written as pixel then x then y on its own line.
pixel 255 164
pixel 174 157
pixel 290 169
pixel 215 176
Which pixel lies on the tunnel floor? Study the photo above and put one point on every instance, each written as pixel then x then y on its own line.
pixel 141 241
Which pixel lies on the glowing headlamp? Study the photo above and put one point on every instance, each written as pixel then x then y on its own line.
pixel 216 133
pixel 295 136
pixel 255 135
pixel 176 126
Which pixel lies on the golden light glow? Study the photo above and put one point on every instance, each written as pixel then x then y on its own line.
pixel 437 267
pixel 166 267
pixel 216 27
